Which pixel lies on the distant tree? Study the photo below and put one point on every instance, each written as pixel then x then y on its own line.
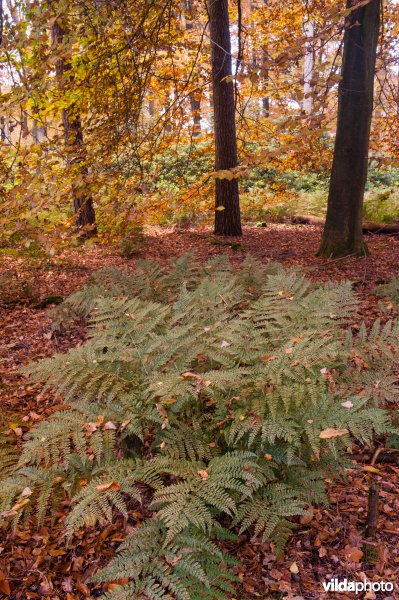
pixel 2 128
pixel 227 214
pixel 1 22
pixel 195 96
pixel 343 229
pixel 73 135
pixel 308 70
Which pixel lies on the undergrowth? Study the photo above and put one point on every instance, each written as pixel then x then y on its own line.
pixel 221 396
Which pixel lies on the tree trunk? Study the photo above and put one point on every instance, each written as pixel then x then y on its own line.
pixel 75 148
pixel 2 120
pixel 1 22
pixel 343 230
pixel 195 105
pixel 195 97
pixel 227 214
pixel 265 71
pixel 308 71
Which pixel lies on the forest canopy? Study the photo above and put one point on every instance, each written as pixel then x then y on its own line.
pixel 117 114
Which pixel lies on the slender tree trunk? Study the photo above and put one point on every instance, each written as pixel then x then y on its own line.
pixel 227 214
pixel 2 120
pixel 343 230
pixel 195 97
pixel 308 70
pixel 265 99
pixel 1 22
pixel 75 148
pixel 195 105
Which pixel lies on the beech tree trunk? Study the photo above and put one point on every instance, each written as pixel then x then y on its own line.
pixel 227 214
pixel 2 120
pixel 265 99
pixel 1 22
pixel 308 70
pixel 343 230
pixel 195 97
pixel 74 144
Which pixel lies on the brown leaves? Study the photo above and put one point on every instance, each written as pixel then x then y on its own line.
pixel 352 554
pixel 4 585
pixel 323 542
pixel 112 485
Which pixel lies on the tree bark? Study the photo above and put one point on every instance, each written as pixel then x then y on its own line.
pixel 227 214
pixel 308 70
pixel 343 230
pixel 74 144
pixel 195 97
pixel 2 120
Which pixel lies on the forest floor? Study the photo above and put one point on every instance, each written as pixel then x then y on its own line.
pixel 35 563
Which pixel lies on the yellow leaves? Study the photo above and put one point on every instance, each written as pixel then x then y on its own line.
pixel 330 433
pixel 230 174
pixel 169 401
pixel 294 569
pixel 370 469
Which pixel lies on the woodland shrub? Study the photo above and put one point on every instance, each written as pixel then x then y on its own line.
pixel 220 397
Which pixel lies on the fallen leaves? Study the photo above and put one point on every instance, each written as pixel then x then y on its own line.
pixel 370 469
pixel 4 585
pixel 331 433
pixel 323 542
pixel 112 485
pixel 347 404
pixel 294 568
pixel 352 554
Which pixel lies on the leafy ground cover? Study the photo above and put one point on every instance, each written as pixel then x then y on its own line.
pixel 35 563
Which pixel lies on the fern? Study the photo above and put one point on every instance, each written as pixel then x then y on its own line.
pixel 191 567
pixel 205 390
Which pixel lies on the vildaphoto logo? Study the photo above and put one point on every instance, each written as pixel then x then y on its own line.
pixel 358 587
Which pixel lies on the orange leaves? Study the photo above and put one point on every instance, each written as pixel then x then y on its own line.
pixel 4 585
pixel 352 554
pixel 112 485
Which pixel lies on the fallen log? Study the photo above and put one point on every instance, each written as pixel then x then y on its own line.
pixel 368 227
pixel 388 457
pixel 307 220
